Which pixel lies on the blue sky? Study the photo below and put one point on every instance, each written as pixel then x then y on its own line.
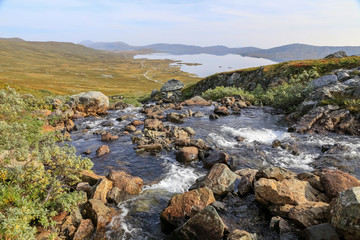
pixel 235 23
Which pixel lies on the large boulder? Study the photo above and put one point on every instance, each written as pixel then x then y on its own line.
pixel 172 85
pixel 339 54
pixel 128 185
pixel 92 102
pixel 183 206
pixel 345 213
pixel 336 181
pixel 205 225
pixel 214 158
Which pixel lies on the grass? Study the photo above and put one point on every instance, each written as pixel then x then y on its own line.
pixel 67 68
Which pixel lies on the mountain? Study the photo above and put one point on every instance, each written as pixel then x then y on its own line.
pixel 279 54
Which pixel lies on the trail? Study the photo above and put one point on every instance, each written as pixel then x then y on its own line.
pixel 149 78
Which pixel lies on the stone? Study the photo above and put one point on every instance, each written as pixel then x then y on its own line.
pixel 220 179
pixel 99 214
pixel 183 206
pixel 198 114
pixel 119 106
pixel 240 138
pixel 207 224
pixel 189 130
pixel 130 128
pixel 137 123
pixel 343 76
pixel 324 81
pixel 172 85
pixel 156 147
pixel 276 173
pixel 307 121
pixel 92 102
pixel 187 155
pixel 214 116
pixel 309 214
pixel 69 125
pixel 345 213
pixel 175 117
pixel 221 110
pixel 239 235
pixel 153 124
pixel 126 183
pixel 90 177
pixel 338 54
pixel 47 128
pixel 84 230
pixel 312 179
pixel 114 196
pixel 154 92
pixel 215 157
pixel 322 231
pixel 108 137
pixel 336 181
pixel 104 149
pixel 196 101
pixel 84 186
pixel 101 189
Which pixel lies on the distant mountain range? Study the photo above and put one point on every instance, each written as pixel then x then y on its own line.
pixel 279 54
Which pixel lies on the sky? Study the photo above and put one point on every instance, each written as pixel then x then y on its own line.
pixel 234 23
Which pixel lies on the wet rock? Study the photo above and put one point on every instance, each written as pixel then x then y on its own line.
pixel 119 106
pixel 183 206
pixel 172 85
pixel 92 102
pixel 196 101
pixel 187 154
pixel 153 124
pixel 190 131
pixel 137 123
pixel 215 157
pixel 85 230
pixel 277 173
pixel 107 124
pixel 221 110
pixel 228 101
pixel 322 231
pixel 130 128
pixel 156 147
pixel 126 183
pixel 104 149
pixel 240 139
pixel 239 235
pixel 207 224
pixel 101 189
pixel 345 213
pixel 108 137
pixel 175 117
pixel 214 116
pixel 220 179
pixel 198 114
pixel 336 181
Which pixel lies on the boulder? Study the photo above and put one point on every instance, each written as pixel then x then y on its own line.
pixel 324 81
pixel 108 137
pixel 213 116
pixel 137 123
pixel 104 149
pixel 322 231
pixel 101 189
pixel 92 102
pixel 172 85
pixel 90 177
pixel 126 183
pixel 338 54
pixel 175 117
pixel 343 76
pixel 183 206
pixel 309 214
pixel 84 230
pixel 153 124
pixel 198 114
pixel 276 173
pixel 221 110
pixel 114 196
pixel 187 154
pixel 220 179
pixel 205 225
pixel 345 213
pixel 196 101
pixel 215 157
pixel 336 181
pixel 130 128
pixel 246 183
pixel 239 235
pixel 99 213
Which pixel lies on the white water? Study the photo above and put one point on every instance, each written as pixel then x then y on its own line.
pixel 210 64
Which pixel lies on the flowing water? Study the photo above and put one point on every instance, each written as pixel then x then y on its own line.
pixel 163 176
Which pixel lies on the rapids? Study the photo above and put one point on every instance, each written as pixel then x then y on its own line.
pixel 163 176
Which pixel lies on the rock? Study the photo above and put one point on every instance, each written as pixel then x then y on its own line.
pixel 220 179
pixel 196 101
pixel 84 186
pixel 108 137
pixel 86 152
pixel 183 206
pixel 104 149
pixel 126 183
pixel 307 121
pixel 130 128
pixel 114 196
pixel 240 139
pixel 47 128
pixel 309 214
pixel 339 54
pixel 187 154
pixel 153 124
pixel 345 213
pixel 84 230
pixel 276 173
pixel 312 179
pixel 247 180
pixel 151 147
pixel 175 117
pixel 207 224
pixel 214 116
pixel 172 85
pixel 119 106
pixel 198 114
pixel 322 231
pixel 154 92
pixel 92 102
pixel 336 181
pixel 343 76
pixel 69 125
pixel 137 123
pixel 221 110
pixel 101 189
pixel 90 177
pixel 324 81
pixel 215 157
pixel 100 214
pixel 239 235
pixel 190 131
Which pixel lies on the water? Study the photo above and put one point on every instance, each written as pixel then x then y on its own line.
pixel 163 176
pixel 210 64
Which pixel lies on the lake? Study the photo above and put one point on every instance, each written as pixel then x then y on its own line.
pixel 210 64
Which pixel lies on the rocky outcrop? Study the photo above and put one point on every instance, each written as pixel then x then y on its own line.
pixel 345 213
pixel 183 206
pixel 92 102
pixel 339 54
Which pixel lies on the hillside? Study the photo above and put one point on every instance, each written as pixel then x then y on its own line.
pixel 66 68
pixel 278 54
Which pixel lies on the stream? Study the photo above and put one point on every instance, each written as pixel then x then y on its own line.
pixel 163 176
